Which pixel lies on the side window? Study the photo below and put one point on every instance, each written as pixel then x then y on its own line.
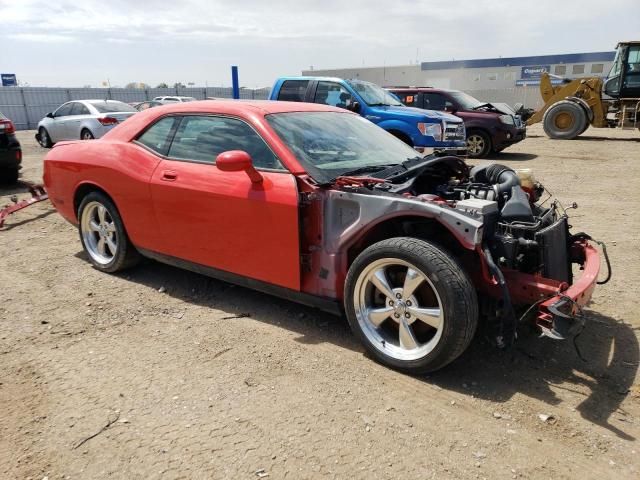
pixel 632 79
pixel 64 110
pixel 79 109
pixel 204 138
pixel 409 99
pixel 436 101
pixel 293 90
pixel 560 69
pixel 158 136
pixel 331 93
pixel 577 69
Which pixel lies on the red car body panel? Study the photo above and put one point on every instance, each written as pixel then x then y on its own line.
pixel 223 220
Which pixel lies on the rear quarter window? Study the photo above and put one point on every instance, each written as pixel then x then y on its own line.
pixel 158 136
pixel 293 90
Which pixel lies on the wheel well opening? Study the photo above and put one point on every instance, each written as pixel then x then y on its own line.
pixel 84 190
pixel 417 227
pixel 401 136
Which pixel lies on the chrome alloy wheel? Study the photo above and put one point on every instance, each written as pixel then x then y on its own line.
pixel 99 233
pixel 475 144
pixel 44 137
pixel 398 309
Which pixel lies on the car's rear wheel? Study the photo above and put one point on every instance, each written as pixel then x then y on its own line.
pixel 478 144
pixel 86 134
pixel 44 139
pixel 411 304
pixel 103 235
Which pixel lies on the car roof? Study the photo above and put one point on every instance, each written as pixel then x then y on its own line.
pixel 231 106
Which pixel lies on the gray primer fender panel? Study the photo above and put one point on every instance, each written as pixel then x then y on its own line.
pixel 347 214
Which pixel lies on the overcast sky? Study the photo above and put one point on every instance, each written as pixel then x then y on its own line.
pixel 76 43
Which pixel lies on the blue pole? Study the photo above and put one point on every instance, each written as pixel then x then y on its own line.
pixel 234 81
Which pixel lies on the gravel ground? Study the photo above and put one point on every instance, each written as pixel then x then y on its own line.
pixel 162 373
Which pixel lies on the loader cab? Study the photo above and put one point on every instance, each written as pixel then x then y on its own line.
pixel 623 80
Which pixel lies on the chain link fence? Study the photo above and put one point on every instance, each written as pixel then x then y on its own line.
pixel 26 106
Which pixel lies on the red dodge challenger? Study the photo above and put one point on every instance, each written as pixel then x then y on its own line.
pixel 320 206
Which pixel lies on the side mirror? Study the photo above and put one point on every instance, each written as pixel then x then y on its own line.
pixel 49 115
pixel 238 161
pixel 354 107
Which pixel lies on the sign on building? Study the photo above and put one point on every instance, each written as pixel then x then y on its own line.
pixel 9 79
pixel 534 71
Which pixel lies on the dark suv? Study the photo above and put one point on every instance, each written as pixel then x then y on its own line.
pixel 10 152
pixel 490 127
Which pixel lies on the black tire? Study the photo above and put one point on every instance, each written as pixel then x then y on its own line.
pixel 44 139
pixel 586 126
pixel 401 136
pixel 125 255
pixel 9 176
pixel 478 144
pixel 86 134
pixel 456 297
pixel 564 120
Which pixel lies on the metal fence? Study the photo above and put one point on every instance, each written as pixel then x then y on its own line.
pixel 26 106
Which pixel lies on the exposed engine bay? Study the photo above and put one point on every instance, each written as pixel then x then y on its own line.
pixel 525 241
pixel 522 234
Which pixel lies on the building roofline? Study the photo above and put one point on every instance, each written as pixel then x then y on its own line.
pixel 521 61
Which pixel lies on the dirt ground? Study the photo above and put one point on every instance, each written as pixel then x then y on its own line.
pixel 161 373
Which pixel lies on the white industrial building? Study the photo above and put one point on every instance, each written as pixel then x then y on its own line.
pixel 491 79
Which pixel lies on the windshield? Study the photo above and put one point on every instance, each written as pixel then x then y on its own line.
pixel 107 106
pixel 373 95
pixel 465 101
pixel 330 144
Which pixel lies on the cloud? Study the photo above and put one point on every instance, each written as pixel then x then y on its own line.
pixel 156 40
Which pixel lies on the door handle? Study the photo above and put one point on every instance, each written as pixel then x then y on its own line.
pixel 169 175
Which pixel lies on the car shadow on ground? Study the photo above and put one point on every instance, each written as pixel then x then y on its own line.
pixel 605 362
pixel 511 156
pixel 602 139
pixel 534 367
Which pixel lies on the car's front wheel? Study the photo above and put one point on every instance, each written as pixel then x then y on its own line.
pixel 411 304
pixel 43 138
pixel 478 144
pixel 102 234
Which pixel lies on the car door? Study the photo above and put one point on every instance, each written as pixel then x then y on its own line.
pixel 222 219
pixel 73 123
pixel 57 127
pixel 332 93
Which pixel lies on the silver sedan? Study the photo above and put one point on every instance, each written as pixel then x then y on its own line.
pixel 82 120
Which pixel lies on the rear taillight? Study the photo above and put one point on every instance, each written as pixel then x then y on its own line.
pixel 107 120
pixel 6 126
pixel 19 155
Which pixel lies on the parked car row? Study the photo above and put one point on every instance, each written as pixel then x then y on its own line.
pixel 428 119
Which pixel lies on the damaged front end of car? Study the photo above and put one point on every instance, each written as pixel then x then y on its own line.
pixel 524 243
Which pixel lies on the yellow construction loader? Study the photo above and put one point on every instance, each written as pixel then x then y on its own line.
pixel 572 106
